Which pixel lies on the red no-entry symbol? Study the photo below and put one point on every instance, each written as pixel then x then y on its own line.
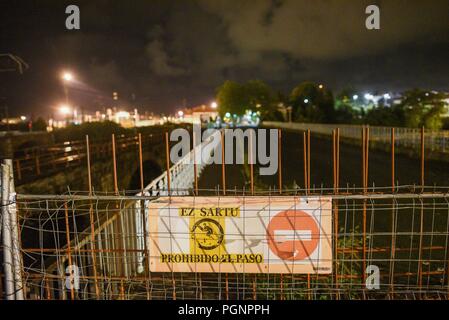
pixel 293 235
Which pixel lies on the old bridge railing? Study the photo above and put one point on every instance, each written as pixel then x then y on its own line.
pixel 434 140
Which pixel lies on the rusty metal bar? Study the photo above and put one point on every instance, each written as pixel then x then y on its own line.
pixel 69 252
pixel 167 161
pixel 281 278
pixel 89 174
pixel 367 157
pixel 305 162
pixel 19 171
pixel 334 175
pixel 223 167
pixel 308 160
pixel 114 164
pixel 195 170
pixel 364 179
pixel 335 204
pixel 118 223
pixel 91 218
pixel 393 178
pixel 141 278
pixel 142 186
pixel 393 216
pixel 346 250
pixel 280 161
pixel 422 157
pixel 420 250
pixel 48 290
pixel 251 164
pixel 226 286
pixel 309 296
pixel 363 159
pixel 142 211
pixel 338 159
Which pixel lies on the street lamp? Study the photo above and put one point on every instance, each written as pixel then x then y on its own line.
pixel 213 105
pixel 67 76
pixel 368 96
pixel 65 109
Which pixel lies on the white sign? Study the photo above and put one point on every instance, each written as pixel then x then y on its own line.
pixel 241 234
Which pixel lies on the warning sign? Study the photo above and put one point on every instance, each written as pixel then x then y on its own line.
pixel 293 235
pixel 236 234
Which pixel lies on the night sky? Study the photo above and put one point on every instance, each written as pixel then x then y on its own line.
pixel 155 53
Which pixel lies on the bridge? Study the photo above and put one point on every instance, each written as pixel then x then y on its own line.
pixel 407 140
pixel 12 141
pixel 52 168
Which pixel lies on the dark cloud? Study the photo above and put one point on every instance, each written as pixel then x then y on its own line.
pixel 163 52
pixel 328 29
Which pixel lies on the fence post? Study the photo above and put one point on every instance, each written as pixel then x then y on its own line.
pixel 17 260
pixel 6 232
pixel 11 251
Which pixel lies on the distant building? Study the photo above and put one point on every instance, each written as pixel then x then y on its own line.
pixel 198 115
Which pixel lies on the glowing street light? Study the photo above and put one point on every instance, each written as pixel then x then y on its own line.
pixel 368 96
pixel 67 76
pixel 306 100
pixel 180 113
pixel 23 118
pixel 65 109
pixel 213 105
pixel 355 97
pixel 320 86
pixel 122 114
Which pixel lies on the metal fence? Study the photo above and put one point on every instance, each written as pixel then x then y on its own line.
pixel 434 140
pixel 34 162
pixel 404 235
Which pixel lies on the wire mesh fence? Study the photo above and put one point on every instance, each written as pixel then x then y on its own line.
pixel 404 235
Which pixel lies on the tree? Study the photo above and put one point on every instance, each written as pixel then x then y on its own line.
pixel 423 108
pixel 231 98
pixel 312 103
pixel 262 98
pixel 385 116
pixel 347 106
pixel 255 95
pixel 39 125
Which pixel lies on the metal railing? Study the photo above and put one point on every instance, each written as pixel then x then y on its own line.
pixel 434 140
pixel 39 161
pixel 182 172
